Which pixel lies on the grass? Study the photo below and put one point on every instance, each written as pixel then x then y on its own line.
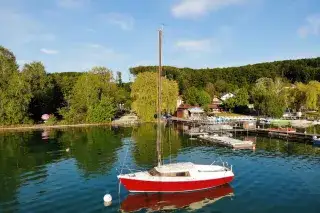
pixel 227 114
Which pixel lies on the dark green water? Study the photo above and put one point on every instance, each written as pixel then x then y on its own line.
pixel 71 170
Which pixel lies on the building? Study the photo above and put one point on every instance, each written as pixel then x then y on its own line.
pixel 187 111
pixel 215 106
pixel 227 96
pixel 179 101
pixel 196 113
pixel 182 111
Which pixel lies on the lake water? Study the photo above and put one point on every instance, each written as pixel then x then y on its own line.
pixel 70 170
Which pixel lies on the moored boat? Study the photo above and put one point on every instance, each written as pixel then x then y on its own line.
pixel 175 177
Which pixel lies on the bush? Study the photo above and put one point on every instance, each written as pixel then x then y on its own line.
pixel 52 120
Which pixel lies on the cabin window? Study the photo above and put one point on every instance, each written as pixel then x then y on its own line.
pixel 154 172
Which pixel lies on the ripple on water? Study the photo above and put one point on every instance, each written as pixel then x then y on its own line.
pixel 277 177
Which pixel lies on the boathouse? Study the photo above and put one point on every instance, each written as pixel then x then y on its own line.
pixel 215 106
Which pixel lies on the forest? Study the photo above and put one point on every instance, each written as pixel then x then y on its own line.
pixel 99 94
pixel 28 92
pixel 272 87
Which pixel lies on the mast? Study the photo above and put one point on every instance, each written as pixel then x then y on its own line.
pixel 159 100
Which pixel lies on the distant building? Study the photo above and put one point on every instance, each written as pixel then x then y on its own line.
pixel 227 96
pixel 182 111
pixel 187 111
pixel 215 105
pixel 179 101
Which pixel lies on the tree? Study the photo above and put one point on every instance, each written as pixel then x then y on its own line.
pixel 119 79
pixel 211 90
pixel 92 91
pixel 144 95
pixel 308 95
pixel 191 95
pixel 101 112
pixel 203 98
pixel 42 90
pixel 269 97
pixel 15 93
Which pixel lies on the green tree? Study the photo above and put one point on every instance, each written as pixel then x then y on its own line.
pixel 144 95
pixel 91 92
pixel 203 98
pixel 191 95
pixel 211 90
pixel 101 112
pixel 119 79
pixel 42 89
pixel 15 93
pixel 269 97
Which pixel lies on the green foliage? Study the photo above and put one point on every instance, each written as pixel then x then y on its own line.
pixel 101 112
pixel 211 90
pixel 92 91
pixel 203 98
pixel 241 99
pixel 306 95
pixel 194 96
pixel 144 95
pixel 15 93
pixel 52 120
pixel 269 97
pixel 119 78
pixel 231 78
pixel 191 95
pixel 42 90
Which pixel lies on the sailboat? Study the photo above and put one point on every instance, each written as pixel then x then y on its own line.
pixel 174 177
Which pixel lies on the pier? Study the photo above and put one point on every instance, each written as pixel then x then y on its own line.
pixel 228 142
pixel 205 127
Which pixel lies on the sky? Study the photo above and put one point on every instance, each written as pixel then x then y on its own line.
pixel 75 35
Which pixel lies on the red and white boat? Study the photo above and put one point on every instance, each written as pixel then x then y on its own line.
pixel 176 177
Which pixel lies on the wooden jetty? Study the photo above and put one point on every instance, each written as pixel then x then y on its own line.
pixel 203 130
pixel 228 142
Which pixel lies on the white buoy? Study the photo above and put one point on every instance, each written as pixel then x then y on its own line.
pixel 107 198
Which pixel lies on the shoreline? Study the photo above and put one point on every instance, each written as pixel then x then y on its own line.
pixel 43 126
pixel 61 126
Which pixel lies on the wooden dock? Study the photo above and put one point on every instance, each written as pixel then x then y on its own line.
pixel 228 142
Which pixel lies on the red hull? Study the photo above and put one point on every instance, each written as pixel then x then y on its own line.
pixel 153 186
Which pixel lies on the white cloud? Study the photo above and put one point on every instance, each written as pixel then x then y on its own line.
pixel 197 8
pixel 72 4
pixel 49 51
pixel 124 21
pixel 195 45
pixel 312 27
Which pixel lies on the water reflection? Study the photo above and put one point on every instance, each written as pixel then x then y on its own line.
pixel 174 201
pixel 93 148
pixel 145 144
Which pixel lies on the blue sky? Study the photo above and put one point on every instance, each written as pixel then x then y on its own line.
pixel 74 35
